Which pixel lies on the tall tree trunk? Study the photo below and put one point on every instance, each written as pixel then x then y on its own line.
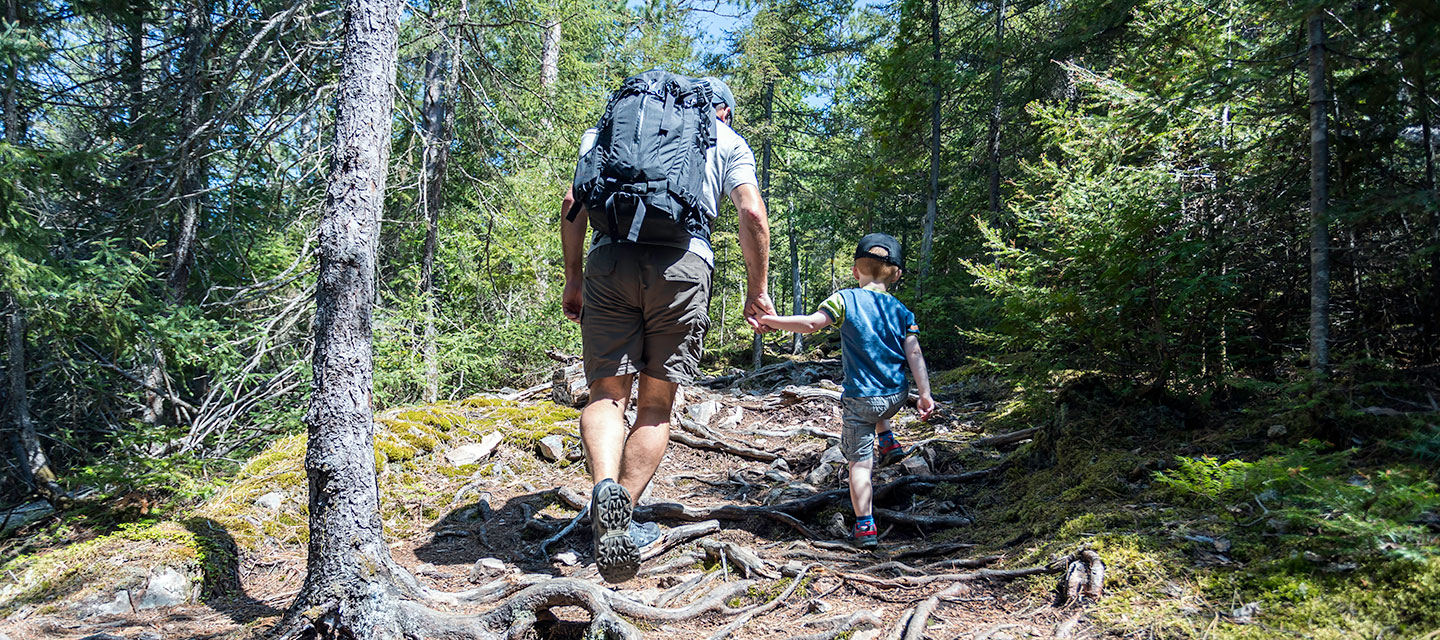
pixel 932 205
pixel 549 68
pixel 758 347
pixel 34 465
pixel 996 85
pixel 437 151
pixel 343 595
pixel 796 287
pixel 1319 200
pixel 13 134
pixel 1432 323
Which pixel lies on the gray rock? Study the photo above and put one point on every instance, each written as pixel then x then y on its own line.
pixel 271 501
pixel 552 447
pixel 567 558
pixel 820 475
pixel 833 454
pixel 167 588
pixel 103 636
pixel 818 606
pixel 473 453
pixel 120 604
pixel 774 475
pixel 792 568
pixel 1276 430
pixel 779 464
pixel 916 466
pixel 702 412
pixel 1245 612
pixel 789 491
pixel 733 420
pixel 837 526
pixel 149 635
pixel 26 514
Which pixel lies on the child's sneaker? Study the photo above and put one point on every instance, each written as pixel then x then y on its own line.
pixel 890 452
pixel 866 536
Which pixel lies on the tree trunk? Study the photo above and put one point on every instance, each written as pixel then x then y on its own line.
pixel 796 287
pixel 33 465
pixel 1319 200
pixel 1433 315
pixel 758 348
pixel 13 134
pixel 436 155
pixel 344 595
pixel 996 85
pixel 932 204
pixel 549 69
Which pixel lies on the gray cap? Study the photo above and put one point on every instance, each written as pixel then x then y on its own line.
pixel 721 91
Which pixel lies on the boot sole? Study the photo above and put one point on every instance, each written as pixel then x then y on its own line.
pixel 615 554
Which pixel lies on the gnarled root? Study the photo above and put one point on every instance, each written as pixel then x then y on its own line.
pixel 1084 577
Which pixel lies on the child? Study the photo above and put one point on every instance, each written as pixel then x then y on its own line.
pixel 877 337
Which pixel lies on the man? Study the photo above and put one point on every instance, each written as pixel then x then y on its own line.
pixel 644 309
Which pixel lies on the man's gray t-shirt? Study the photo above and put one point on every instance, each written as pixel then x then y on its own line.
pixel 729 164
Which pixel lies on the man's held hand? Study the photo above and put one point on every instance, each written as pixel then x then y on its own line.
pixel 757 305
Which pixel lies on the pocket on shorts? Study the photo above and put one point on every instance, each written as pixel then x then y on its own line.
pixel 689 268
pixel 600 262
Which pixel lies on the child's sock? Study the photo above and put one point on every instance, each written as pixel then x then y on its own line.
pixel 887 438
pixel 864 524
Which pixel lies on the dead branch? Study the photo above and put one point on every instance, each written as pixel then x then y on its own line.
pixel 677 536
pixel 682 560
pixel 685 587
pixel 930 550
pixel 1006 438
pixel 738 450
pixel 744 560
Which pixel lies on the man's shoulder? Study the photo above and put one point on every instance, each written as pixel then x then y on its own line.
pixel 727 139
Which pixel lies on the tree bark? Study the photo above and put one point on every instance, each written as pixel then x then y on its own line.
pixel 13 134
pixel 932 204
pixel 436 155
pixel 758 347
pixel 996 85
pixel 34 466
pixel 796 287
pixel 1319 201
pixel 1426 137
pixel 344 594
pixel 549 69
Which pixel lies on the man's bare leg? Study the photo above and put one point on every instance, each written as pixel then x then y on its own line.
pixel 602 427
pixel 648 436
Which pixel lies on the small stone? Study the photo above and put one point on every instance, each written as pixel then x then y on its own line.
pixel 819 475
pixel 833 454
pixel 473 453
pixel 733 420
pixel 792 568
pixel 149 635
pixel 702 412
pixel 552 447
pixel 866 634
pixel 121 604
pixel 837 526
pixel 667 581
pixel 167 588
pixel 567 558
pixel 777 476
pixel 271 501
pixel 487 567
pixel 818 606
pixel 779 464
pixel 1276 430
pixel 1245 612
pixel 431 571
pixel 916 466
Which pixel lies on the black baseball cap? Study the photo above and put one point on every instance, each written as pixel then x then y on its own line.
pixel 881 241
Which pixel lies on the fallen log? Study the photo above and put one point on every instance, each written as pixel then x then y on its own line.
pixel 569 387
pixel 1006 438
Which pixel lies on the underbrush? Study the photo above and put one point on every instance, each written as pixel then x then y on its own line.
pixel 1212 522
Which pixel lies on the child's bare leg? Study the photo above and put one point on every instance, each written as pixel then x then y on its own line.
pixel 882 426
pixel 861 491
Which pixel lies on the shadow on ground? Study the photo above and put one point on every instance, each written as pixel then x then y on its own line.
pixel 221 589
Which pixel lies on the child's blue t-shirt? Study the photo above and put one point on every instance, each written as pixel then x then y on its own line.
pixel 873 326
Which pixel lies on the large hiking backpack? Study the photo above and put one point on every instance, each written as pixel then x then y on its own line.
pixel 643 179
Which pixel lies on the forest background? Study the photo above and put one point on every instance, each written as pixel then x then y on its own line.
pixel 1125 190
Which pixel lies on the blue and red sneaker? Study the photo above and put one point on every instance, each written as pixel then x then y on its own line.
pixel 866 536
pixel 888 451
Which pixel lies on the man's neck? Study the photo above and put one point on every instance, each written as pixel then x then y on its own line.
pixel 867 283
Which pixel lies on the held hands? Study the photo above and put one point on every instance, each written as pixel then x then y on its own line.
pixel 758 306
pixel 572 300
pixel 925 406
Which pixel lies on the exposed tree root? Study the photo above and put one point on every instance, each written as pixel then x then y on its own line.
pixel 745 561
pixel 1084 577
pixel 1006 438
pixel 921 520
pixel 901 624
pixel 755 611
pixel 912 582
pixel 738 450
pixel 839 625
pixel 678 536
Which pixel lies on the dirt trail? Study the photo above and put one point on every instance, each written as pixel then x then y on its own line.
pixel 776 492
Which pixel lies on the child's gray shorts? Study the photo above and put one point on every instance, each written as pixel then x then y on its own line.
pixel 860 415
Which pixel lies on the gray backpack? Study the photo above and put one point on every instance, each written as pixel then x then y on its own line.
pixel 643 178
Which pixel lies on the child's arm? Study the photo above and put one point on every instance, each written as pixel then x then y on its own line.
pixel 926 405
pixel 799 324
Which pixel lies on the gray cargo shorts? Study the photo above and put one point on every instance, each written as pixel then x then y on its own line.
pixel 646 310
pixel 860 415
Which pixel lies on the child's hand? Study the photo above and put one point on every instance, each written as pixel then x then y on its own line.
pixel 925 405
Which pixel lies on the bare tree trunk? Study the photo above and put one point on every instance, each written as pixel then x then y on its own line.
pixel 436 154
pixel 1433 315
pixel 34 465
pixel 932 205
pixel 796 287
pixel 1319 200
pixel 549 67
pixel 996 86
pixel 343 595
pixel 13 135
pixel 758 347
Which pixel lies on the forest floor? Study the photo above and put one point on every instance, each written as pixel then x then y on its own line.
pixel 985 537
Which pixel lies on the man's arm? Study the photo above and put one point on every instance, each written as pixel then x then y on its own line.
pixel 926 404
pixel 572 243
pixel 755 246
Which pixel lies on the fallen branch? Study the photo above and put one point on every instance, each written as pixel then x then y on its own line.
pixel 1006 438
pixel 677 536
pixel 739 450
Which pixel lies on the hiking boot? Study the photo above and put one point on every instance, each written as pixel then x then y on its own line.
pixel 615 553
pixel 643 533
pixel 866 537
pixel 890 454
